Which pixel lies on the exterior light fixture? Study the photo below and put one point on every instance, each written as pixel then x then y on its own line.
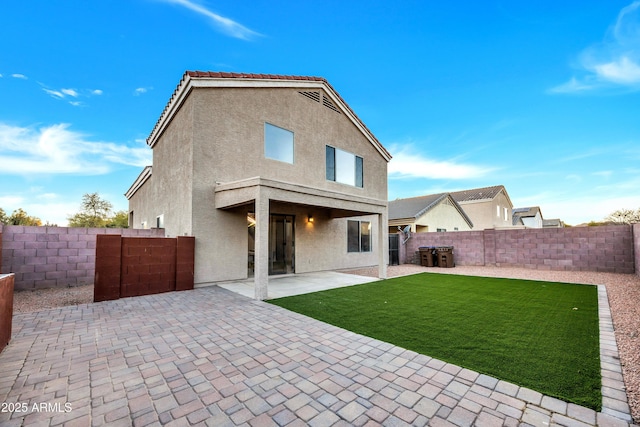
pixel 309 218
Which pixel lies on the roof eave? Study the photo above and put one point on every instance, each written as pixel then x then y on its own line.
pixel 191 80
pixel 139 182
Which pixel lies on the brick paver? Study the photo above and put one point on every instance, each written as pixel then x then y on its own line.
pixel 211 357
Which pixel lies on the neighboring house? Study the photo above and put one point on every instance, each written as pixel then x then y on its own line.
pixel 272 175
pixel 434 212
pixel 552 223
pixel 488 207
pixel 530 217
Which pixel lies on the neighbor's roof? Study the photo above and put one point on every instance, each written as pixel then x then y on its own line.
pixel 415 207
pixel 555 222
pixel 475 194
pixel 191 79
pixel 519 213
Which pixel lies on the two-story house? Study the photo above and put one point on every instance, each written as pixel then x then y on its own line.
pixel 529 217
pixel 272 175
pixel 488 207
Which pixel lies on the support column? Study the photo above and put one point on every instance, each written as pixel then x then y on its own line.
pixel 383 245
pixel 261 266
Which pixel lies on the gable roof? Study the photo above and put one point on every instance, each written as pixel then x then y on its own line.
pixel 528 212
pixel 415 207
pixel 477 194
pixel 193 79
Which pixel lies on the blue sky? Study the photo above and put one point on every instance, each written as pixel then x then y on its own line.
pixel 542 97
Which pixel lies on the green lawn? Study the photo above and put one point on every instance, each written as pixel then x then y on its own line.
pixel 540 335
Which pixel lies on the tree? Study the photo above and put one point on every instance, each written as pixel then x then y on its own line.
pixel 624 216
pixel 95 212
pixel 20 217
pixel 4 219
pixel 119 220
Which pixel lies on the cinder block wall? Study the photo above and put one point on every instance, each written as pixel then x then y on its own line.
pixel 606 249
pixel 49 257
pixel 468 246
pixel 636 246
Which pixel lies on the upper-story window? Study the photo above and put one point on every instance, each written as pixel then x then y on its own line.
pixel 344 167
pixel 278 143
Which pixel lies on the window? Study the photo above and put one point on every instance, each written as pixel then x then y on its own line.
pixel 344 167
pixel 278 143
pixel 498 211
pixel 160 221
pixel 358 236
pixel 506 217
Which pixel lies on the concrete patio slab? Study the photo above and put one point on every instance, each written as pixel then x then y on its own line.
pixel 210 357
pixel 296 284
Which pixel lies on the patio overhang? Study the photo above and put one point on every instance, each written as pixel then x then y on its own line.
pixel 260 192
pixel 237 193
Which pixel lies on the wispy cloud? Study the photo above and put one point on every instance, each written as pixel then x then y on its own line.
pixel 19 76
pixel 71 95
pixel 224 25
pixel 615 62
pixel 407 162
pixel 57 149
pixel 141 90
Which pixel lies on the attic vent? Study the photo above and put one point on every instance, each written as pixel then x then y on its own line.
pixel 327 103
pixel 311 95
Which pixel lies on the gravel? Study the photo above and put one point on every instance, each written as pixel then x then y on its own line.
pixel 623 291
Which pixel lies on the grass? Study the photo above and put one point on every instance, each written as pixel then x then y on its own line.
pixel 541 335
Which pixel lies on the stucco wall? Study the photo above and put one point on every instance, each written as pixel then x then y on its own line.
pixel 49 257
pixel 168 191
pixel 229 146
pixel 606 249
pixel 483 213
pixel 444 215
pixel 229 140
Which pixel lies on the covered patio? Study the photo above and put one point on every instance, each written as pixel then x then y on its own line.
pixel 265 197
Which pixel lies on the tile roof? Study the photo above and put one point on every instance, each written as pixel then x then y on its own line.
pixel 483 193
pixel 225 75
pixel 413 207
pixel 188 75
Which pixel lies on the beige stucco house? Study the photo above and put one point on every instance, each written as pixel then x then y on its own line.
pixel 272 175
pixel 433 212
pixel 488 207
pixel 529 217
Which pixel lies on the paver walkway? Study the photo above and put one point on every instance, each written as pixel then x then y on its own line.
pixel 212 357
